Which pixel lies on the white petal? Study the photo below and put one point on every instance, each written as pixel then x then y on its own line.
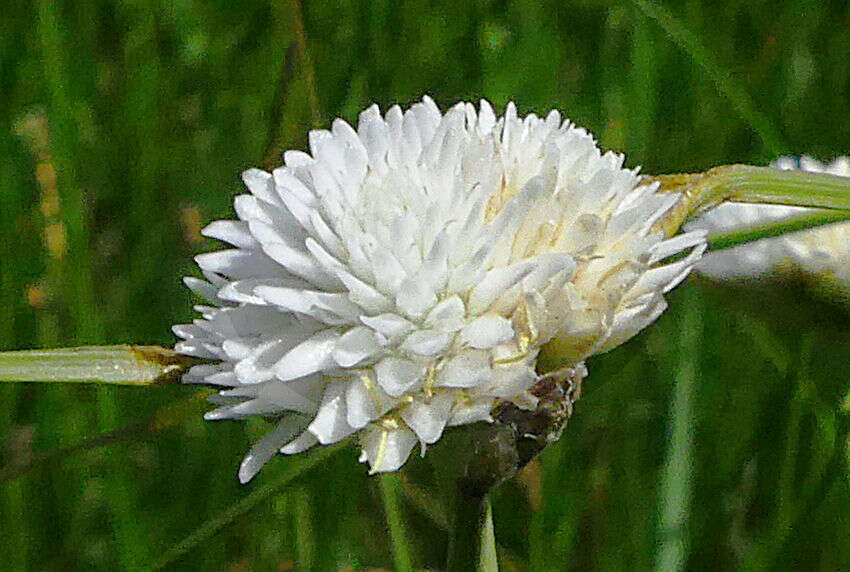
pixel 426 342
pixel 300 264
pixel 397 375
pixel 447 315
pixel 223 379
pixel 488 331
pixel 241 410
pixel 236 263
pixel 415 297
pixel 469 369
pixel 237 349
pixel 361 407
pixel 356 345
pixel 202 374
pixel 261 185
pixel 355 153
pixel 268 445
pixel 434 270
pixel 547 266
pixel 627 323
pixel 300 395
pixel 471 412
pixel 387 449
pixel 196 349
pixel 330 424
pixel 365 400
pixel 312 303
pixel 361 293
pixel 202 288
pixel 389 273
pixel 389 325
pixel 312 355
pixel 247 208
pixel 508 382
pixel 188 331
pixel 233 232
pixel 486 117
pixel 676 245
pixel 259 365
pixel 326 235
pixel 286 183
pixel 374 134
pixel 300 444
pixel 664 278
pixel 496 283
pixel 428 418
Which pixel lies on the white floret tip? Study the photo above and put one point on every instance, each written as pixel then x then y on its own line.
pixel 402 277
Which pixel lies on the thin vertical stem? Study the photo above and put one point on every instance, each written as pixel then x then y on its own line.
pixel 468 528
pixel 488 561
pixel 389 486
pixel 305 537
pixel 677 476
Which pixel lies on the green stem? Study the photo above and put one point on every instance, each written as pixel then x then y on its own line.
pixel 468 529
pixel 722 240
pixel 114 365
pixel 677 476
pixel 749 184
pixel 389 485
pixel 488 560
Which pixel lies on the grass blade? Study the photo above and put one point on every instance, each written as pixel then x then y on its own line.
pixel 722 240
pixel 296 468
pixel 723 80
pixel 390 488
pixel 677 475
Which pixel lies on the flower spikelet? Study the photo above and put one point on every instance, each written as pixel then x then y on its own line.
pixel 402 277
pixel 821 253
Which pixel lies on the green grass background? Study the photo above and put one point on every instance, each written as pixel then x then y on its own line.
pixel 714 440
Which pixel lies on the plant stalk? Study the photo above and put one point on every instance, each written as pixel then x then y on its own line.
pixel 729 239
pixel 390 486
pixel 469 536
pixel 749 184
pixel 488 560
pixel 677 476
pixel 111 365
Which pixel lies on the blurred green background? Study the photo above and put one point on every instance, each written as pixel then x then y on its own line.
pixel 716 440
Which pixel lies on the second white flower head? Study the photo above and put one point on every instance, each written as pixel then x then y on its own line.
pixel 403 277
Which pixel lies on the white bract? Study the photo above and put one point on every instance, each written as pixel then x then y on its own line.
pixel 819 252
pixel 403 276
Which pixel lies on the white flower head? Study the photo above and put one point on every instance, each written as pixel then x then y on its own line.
pixel 819 252
pixel 403 276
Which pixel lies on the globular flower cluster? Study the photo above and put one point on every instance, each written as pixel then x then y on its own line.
pixel 820 253
pixel 403 276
